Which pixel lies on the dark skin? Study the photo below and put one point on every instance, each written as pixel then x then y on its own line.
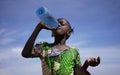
pixel 60 35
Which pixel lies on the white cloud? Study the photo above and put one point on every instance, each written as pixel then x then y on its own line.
pixel 14 52
pixel 9 36
pixel 14 64
pixel 15 33
pixel 5 41
pixel 104 51
pixel 109 59
pixel 82 42
pixel 5 72
pixel 2 31
pixel 22 67
pixel 105 69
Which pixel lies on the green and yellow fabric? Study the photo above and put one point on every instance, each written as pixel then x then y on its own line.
pixel 56 62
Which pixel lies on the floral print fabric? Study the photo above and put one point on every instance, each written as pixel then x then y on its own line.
pixel 57 62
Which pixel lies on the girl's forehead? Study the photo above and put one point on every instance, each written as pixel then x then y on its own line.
pixel 62 21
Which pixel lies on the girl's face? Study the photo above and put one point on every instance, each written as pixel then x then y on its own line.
pixel 62 29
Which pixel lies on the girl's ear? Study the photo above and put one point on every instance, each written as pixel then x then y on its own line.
pixel 69 32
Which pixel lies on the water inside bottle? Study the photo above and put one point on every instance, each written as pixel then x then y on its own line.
pixel 46 17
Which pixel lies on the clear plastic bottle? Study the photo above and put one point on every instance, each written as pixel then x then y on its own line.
pixel 46 17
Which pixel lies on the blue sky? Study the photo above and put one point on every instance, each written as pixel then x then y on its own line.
pixel 96 33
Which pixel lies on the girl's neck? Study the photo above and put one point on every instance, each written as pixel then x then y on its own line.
pixel 60 41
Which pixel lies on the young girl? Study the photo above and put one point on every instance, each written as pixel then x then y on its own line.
pixel 57 58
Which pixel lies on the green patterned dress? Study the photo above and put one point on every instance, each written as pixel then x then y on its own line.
pixel 56 62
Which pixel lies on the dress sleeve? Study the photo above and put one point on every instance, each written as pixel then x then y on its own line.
pixel 37 50
pixel 77 58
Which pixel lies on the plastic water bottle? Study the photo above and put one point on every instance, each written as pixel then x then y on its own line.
pixel 46 17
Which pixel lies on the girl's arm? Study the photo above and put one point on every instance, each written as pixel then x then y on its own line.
pixel 91 62
pixel 28 48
